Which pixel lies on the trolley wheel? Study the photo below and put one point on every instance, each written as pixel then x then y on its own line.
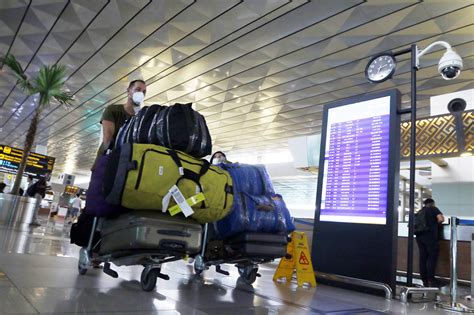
pixel 148 279
pixel 248 273
pixel 82 271
pixel 199 265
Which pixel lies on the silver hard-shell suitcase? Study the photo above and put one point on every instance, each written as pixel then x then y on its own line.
pixel 151 230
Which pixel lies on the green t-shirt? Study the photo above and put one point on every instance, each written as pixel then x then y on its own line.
pixel 117 115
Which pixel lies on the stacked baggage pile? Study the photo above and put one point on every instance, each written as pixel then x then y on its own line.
pixel 155 167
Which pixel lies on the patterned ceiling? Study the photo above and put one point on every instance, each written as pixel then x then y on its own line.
pixel 258 70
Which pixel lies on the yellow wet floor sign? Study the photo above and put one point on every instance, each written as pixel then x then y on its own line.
pixel 300 261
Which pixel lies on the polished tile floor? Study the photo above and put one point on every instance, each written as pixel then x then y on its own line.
pixel 38 275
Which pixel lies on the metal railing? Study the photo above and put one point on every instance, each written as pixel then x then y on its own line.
pixel 453 304
pixel 360 282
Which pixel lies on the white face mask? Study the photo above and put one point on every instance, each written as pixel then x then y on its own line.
pixel 138 98
pixel 219 160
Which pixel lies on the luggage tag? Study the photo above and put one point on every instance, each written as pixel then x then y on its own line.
pixel 165 202
pixel 181 201
pixel 191 201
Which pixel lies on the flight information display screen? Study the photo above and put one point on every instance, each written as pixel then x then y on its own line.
pixel 356 163
pixel 36 165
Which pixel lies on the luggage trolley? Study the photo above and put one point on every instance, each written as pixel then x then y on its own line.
pixel 168 248
pixel 245 250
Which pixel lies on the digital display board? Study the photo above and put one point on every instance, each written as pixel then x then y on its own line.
pixel 37 164
pixel 355 226
pixel 356 163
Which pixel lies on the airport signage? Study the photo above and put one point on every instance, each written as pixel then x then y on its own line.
pixel 37 164
pixel 355 227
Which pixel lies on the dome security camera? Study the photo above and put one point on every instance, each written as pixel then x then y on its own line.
pixel 450 65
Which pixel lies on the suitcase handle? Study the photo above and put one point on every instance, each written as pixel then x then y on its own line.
pixel 174 233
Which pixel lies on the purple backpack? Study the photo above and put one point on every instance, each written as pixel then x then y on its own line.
pixel 95 202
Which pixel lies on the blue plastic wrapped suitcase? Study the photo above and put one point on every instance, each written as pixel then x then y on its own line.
pixel 250 179
pixel 256 207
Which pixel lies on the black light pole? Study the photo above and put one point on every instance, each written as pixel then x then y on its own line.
pixel 449 66
pixel 411 204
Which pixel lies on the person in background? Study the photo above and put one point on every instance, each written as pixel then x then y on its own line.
pixel 31 181
pixel 428 243
pixel 37 191
pixel 75 208
pixel 2 187
pixel 218 158
pixel 114 116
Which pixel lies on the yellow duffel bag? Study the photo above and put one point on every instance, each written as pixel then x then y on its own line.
pixel 152 177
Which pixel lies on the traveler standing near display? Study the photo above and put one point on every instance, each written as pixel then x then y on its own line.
pixel 37 191
pixel 427 225
pixel 75 208
pixel 2 187
pixel 31 181
pixel 114 116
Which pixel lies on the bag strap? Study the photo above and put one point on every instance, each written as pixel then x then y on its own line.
pixel 187 174
pixel 196 177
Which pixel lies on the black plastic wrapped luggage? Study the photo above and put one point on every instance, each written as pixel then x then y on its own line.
pixel 177 127
pixel 146 121
pixel 150 230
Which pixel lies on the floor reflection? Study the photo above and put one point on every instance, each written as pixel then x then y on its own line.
pixel 38 274
pixel 51 238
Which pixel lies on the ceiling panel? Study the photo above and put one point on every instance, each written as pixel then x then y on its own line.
pixel 259 71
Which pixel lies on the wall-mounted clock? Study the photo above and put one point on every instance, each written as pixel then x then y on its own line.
pixel 380 68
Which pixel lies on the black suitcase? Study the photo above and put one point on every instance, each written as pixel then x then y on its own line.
pixel 263 250
pixel 253 237
pixel 257 245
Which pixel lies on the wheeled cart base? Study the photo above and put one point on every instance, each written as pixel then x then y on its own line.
pixel 151 259
pixel 246 251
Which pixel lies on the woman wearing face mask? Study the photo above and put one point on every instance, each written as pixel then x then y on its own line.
pixel 114 116
pixel 219 157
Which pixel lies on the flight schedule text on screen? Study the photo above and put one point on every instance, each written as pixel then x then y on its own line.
pixel 356 163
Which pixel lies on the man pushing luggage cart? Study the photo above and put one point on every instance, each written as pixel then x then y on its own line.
pixel 177 192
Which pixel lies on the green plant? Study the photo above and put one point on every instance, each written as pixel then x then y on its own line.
pixel 48 85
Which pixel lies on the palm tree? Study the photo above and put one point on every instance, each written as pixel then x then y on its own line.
pixel 49 86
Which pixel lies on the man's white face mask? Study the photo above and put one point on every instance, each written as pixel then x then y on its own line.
pixel 137 98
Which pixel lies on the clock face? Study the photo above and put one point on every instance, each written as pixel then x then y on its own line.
pixel 380 68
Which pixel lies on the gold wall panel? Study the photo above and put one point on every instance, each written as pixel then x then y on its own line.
pixel 468 130
pixel 435 136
